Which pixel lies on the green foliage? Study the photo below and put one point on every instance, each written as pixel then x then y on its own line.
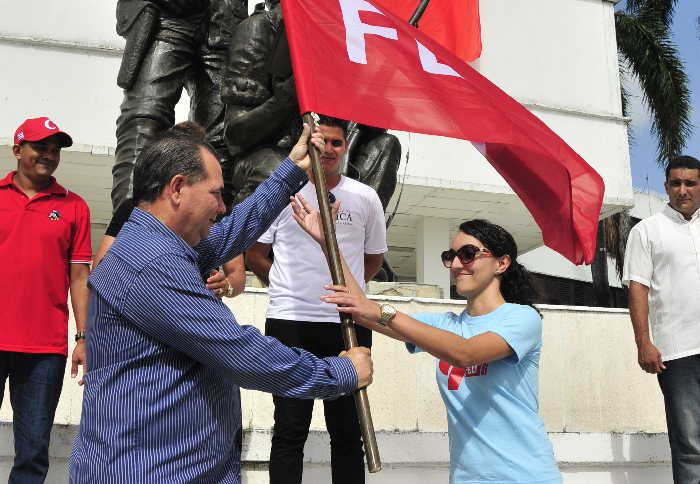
pixel 645 47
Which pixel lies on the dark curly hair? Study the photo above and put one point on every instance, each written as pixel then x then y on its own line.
pixel 517 285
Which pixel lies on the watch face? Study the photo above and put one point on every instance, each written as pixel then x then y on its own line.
pixel 388 312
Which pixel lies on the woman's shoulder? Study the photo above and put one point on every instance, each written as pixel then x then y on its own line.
pixel 520 309
pixel 520 312
pixel 520 315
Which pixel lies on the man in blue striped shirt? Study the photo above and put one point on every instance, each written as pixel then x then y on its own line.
pixel 167 358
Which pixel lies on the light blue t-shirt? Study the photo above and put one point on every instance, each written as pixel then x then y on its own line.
pixel 496 434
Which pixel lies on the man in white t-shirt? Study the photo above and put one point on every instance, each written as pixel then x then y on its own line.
pixel 662 269
pixel 297 317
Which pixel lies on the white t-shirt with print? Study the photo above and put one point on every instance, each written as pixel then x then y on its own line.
pixel 300 271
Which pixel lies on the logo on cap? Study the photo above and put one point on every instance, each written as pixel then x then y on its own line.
pixel 36 129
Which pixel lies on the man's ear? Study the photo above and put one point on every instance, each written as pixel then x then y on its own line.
pixel 177 183
pixel 16 150
pixel 503 264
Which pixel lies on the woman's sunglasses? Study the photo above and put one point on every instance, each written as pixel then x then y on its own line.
pixel 466 253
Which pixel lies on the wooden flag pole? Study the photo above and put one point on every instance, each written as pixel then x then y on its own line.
pixel 374 463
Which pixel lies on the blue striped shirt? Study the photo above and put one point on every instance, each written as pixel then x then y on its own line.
pixel 167 358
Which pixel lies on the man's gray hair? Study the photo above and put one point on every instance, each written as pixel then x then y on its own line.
pixel 175 152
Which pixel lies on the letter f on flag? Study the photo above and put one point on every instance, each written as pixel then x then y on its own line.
pixel 355 31
pixel 355 60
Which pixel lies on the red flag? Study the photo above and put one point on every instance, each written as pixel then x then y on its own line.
pixel 355 61
pixel 454 24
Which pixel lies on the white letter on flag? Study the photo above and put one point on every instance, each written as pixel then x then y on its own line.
pixel 430 64
pixel 355 30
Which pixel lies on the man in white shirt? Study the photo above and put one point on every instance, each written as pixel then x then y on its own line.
pixel 297 317
pixel 662 269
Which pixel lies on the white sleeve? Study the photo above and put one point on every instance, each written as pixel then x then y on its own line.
pixel 638 264
pixel 375 229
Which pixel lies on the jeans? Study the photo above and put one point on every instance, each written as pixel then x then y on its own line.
pixel 293 416
pixel 35 385
pixel 680 384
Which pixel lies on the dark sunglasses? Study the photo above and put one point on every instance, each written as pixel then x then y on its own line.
pixel 466 253
pixel 331 198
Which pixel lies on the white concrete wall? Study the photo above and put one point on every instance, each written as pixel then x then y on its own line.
pixel 604 415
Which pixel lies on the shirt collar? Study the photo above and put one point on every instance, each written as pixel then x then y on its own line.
pixel 53 189
pixel 148 221
pixel 674 214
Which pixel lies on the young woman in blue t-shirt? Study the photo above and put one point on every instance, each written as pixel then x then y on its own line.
pixel 488 356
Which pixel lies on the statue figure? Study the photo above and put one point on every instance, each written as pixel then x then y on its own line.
pixel 262 117
pixel 170 45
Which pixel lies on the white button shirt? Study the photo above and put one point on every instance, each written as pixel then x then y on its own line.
pixel 663 253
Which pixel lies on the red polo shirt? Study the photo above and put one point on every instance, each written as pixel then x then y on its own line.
pixel 39 238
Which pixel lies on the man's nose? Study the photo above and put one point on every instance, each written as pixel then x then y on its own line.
pixel 221 209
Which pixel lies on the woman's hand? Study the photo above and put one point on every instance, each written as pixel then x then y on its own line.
pixel 309 219
pixel 364 312
pixel 217 283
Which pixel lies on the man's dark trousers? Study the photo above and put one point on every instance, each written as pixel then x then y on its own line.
pixel 293 416
pixel 680 384
pixel 36 380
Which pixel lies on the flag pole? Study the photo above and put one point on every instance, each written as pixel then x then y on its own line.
pixel 420 10
pixel 374 463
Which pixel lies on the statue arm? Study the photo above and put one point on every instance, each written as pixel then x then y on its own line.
pixel 246 126
pixel 257 104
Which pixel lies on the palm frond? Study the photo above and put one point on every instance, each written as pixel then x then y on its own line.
pixel 653 59
pixel 617 228
pixel 660 10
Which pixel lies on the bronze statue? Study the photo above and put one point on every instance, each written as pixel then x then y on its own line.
pixel 170 45
pixel 262 119
pixel 262 113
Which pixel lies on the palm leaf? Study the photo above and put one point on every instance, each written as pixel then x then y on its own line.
pixel 643 41
pixel 660 10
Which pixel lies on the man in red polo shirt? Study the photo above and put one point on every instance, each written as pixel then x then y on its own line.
pixel 44 249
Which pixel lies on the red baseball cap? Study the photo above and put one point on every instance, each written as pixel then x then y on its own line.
pixel 36 129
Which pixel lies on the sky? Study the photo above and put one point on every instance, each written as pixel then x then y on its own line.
pixel 646 174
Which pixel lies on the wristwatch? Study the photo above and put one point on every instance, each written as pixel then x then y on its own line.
pixel 80 335
pixel 386 314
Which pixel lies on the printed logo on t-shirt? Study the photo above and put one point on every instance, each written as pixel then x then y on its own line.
pixel 54 215
pixel 456 375
pixel 343 217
